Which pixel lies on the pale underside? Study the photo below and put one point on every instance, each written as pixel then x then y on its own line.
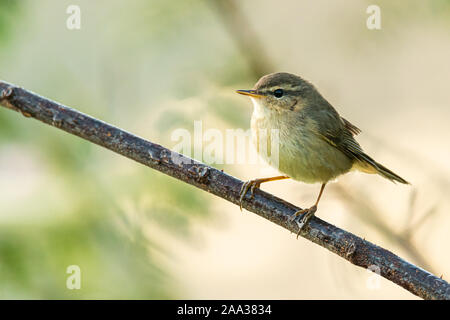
pixel 301 155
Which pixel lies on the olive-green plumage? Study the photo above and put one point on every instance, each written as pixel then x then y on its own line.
pixel 315 143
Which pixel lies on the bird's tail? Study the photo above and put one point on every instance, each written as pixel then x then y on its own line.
pixel 368 165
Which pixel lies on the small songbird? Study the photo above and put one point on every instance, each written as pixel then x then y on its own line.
pixel 315 143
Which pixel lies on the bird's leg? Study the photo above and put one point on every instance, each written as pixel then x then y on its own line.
pixel 252 184
pixel 307 213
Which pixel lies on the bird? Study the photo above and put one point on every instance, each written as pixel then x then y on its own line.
pixel 315 144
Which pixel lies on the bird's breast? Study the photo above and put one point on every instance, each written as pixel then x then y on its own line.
pixel 290 145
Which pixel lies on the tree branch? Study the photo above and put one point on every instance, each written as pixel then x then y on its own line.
pixel 348 246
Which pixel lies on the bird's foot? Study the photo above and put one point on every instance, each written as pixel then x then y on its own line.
pixel 250 184
pixel 307 214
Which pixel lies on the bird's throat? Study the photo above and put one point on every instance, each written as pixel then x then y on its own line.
pixel 259 110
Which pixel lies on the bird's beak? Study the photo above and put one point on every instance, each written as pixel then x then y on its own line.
pixel 250 93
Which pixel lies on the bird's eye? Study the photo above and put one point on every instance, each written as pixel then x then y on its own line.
pixel 278 93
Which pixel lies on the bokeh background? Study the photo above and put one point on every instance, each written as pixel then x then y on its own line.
pixel 151 67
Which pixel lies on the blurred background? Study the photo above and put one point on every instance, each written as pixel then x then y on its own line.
pixel 151 67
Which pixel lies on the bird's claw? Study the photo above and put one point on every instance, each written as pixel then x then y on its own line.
pixel 307 214
pixel 250 184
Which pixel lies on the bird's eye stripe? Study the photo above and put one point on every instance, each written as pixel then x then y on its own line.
pixel 285 92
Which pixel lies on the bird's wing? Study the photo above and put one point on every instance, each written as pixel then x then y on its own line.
pixel 343 140
pixel 327 124
pixel 351 127
pixel 337 131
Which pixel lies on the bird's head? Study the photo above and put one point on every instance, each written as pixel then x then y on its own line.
pixel 281 91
